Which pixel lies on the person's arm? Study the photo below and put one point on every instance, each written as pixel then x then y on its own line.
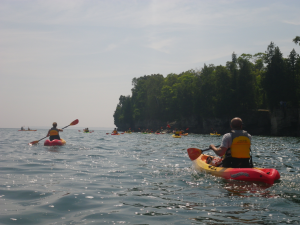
pixel 60 130
pixel 219 151
pixel 225 144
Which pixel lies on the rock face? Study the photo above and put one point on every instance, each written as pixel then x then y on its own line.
pixel 261 122
pixel 285 122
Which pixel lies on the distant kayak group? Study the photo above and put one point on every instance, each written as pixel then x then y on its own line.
pixel 176 133
pixel 22 129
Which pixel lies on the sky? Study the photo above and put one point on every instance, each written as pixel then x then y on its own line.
pixel 62 60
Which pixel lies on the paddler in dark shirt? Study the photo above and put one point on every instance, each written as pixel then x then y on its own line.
pixel 54 132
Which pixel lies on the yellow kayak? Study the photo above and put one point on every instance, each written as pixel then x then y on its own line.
pixel 215 134
pixel 176 136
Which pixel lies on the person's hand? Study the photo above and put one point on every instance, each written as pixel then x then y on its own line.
pixel 211 146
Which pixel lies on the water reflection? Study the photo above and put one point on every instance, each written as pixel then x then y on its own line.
pixel 248 189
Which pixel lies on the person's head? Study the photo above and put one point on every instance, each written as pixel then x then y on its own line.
pixel 54 124
pixel 115 128
pixel 236 123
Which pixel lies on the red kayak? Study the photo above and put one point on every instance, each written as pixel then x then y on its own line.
pixel 265 175
pixel 55 142
pixel 115 134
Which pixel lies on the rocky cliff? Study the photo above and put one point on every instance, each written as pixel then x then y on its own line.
pixel 260 122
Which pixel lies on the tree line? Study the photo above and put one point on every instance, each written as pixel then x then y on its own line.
pixel 247 82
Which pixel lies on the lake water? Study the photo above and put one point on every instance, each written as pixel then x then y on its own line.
pixel 139 179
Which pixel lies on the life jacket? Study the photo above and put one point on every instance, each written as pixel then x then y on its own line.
pixel 115 131
pixel 238 155
pixel 177 132
pixel 54 134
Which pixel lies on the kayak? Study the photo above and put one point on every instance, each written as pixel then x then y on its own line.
pixel 186 134
pixel 175 136
pixel 55 142
pixel 27 130
pixel 265 175
pixel 213 134
pixel 115 134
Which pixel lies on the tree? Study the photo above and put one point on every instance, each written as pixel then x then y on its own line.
pixel 223 91
pixel 123 112
pixel 292 78
pixel 275 82
pixel 245 94
pixel 296 40
pixel 206 99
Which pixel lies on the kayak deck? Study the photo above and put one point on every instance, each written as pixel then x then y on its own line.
pixel 265 175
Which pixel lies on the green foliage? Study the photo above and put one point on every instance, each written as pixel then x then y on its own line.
pixel 297 40
pixel 246 83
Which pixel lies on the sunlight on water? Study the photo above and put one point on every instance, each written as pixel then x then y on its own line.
pixel 139 179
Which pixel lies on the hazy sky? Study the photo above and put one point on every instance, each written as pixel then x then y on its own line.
pixel 62 60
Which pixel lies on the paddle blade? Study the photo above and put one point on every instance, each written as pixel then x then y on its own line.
pixel 33 143
pixel 74 122
pixel 194 153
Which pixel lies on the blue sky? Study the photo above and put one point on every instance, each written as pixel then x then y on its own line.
pixel 70 59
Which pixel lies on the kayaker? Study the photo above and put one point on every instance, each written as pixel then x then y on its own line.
pixel 54 132
pixel 115 131
pixel 176 132
pixel 235 147
pixel 22 128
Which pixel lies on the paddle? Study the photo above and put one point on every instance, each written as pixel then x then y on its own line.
pixel 194 153
pixel 71 124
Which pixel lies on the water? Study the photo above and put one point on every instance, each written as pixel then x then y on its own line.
pixel 139 179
